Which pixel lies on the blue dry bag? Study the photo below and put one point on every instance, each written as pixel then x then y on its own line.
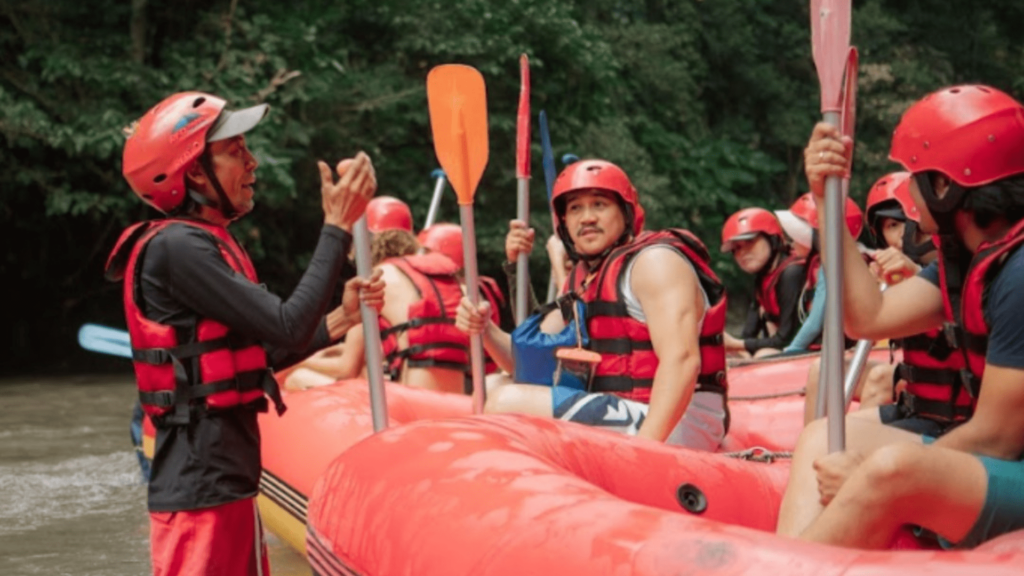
pixel 534 351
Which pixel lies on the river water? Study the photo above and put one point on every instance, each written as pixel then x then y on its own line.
pixel 71 498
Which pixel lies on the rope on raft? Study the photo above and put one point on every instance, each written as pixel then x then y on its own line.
pixel 796 392
pixel 759 454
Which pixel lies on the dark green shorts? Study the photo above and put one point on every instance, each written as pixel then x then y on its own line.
pixel 1003 511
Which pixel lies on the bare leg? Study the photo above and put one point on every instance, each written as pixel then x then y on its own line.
pixel 519 398
pixel 302 378
pixel 940 489
pixel 877 386
pixel 767 352
pixel 801 504
pixel 811 394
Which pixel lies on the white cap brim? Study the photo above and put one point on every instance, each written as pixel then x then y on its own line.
pixel 796 228
pixel 231 123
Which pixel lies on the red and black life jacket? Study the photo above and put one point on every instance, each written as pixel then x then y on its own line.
pixel 933 371
pixel 988 261
pixel 433 339
pixel 208 367
pixel 811 282
pixel 767 295
pixel 628 361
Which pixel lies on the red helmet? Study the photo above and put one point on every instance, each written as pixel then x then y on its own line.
pixel 165 142
pixel 444 238
pixel 805 209
pixel 747 224
pixel 972 134
pixel 888 189
pixel 388 213
pixel 597 175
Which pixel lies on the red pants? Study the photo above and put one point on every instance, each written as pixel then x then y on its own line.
pixel 225 540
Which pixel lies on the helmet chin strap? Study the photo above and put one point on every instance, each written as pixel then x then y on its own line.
pixel 915 250
pixel 227 209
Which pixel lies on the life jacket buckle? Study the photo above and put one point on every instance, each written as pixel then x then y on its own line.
pixel 969 382
pixel 951 332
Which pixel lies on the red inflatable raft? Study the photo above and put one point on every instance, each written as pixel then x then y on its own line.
pixel 766 402
pixel 513 495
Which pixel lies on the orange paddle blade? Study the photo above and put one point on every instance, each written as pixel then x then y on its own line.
pixel 457 100
pixel 830 42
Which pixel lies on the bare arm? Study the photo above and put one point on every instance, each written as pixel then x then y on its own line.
pixel 913 306
pixel 669 294
pixel 996 429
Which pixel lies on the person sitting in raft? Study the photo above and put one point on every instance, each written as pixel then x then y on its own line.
pixel 520 240
pixel 892 218
pixel 446 238
pixel 389 221
pixel 206 334
pixel 636 344
pixel 754 238
pixel 964 483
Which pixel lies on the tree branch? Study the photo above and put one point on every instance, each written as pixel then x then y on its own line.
pixel 280 79
pixel 229 19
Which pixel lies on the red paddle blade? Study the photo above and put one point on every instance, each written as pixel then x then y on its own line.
pixel 457 100
pixel 523 126
pixel 849 115
pixel 830 42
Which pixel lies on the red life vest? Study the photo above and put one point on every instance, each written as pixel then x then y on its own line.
pixel 988 261
pixel 933 371
pixel 767 295
pixel 811 283
pixel 628 361
pixel 208 368
pixel 434 341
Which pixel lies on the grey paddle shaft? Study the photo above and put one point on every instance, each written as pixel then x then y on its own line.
pixel 476 342
pixel 371 332
pixel 523 260
pixel 833 352
pixel 820 409
pixel 552 288
pixel 860 358
pixel 435 200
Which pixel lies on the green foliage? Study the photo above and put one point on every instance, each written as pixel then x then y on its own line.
pixel 707 105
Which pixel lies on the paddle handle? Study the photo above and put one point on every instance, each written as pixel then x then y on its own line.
pixel 832 356
pixel 523 259
pixel 435 200
pixel 371 331
pixel 552 288
pixel 860 358
pixel 476 342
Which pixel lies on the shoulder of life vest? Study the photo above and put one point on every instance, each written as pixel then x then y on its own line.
pixel 767 295
pixel 985 267
pixel 628 362
pixel 210 368
pixel 433 340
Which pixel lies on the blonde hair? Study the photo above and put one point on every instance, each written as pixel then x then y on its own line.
pixel 392 244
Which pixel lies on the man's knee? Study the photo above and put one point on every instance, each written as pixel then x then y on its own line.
pixel 499 397
pixel 894 468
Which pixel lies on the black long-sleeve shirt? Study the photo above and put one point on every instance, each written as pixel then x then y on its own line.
pixel 787 292
pixel 215 459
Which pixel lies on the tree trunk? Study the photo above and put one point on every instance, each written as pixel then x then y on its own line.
pixel 138 31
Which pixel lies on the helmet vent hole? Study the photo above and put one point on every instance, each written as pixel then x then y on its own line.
pixel 594 168
pixel 983 89
pixel 198 102
pixel 160 178
pixel 954 91
pixel 147 196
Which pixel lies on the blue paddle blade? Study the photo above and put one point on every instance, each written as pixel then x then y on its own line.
pixel 547 154
pixel 104 340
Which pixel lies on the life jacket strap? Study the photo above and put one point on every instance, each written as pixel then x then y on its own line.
pixel 911 405
pixel 415 323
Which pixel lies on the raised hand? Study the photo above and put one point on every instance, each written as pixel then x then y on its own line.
pixel 345 201
pixel 827 154
pixel 472 320
pixel 519 240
